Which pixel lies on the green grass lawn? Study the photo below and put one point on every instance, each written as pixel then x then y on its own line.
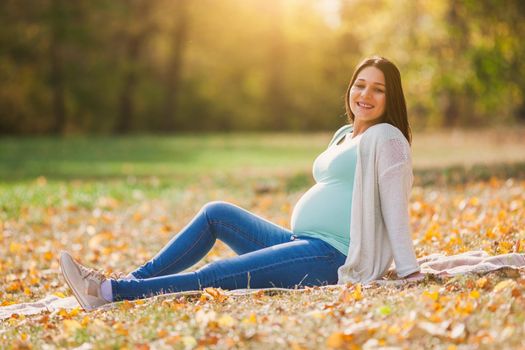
pixel 238 153
pixel 160 156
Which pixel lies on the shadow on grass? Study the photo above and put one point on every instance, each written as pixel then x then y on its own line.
pixel 438 176
pixel 453 175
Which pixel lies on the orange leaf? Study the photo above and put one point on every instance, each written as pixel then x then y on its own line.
pixel 216 294
pixel 14 287
pixel 162 333
pixel 120 329
pixel 48 256
pixel 338 340
pixel 482 283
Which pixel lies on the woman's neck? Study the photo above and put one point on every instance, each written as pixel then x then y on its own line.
pixel 361 127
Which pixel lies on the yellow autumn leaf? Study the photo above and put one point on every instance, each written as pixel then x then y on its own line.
pixel 216 294
pixel 435 318
pixel 464 308
pixel 189 341
pixel 70 326
pixel 75 311
pixel 506 284
pixel 482 282
pixel 226 321
pixel 34 280
pixel 126 305
pixel 14 286
pixel 432 234
pixel 120 329
pixel 15 248
pixel 161 333
pixel 431 295
pixel 338 340
pixel 250 319
pixel 335 340
pixel 48 256
pixel 357 294
pixel 296 346
pixel 316 314
pixel 474 294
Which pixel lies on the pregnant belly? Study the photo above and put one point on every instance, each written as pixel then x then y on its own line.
pixel 323 208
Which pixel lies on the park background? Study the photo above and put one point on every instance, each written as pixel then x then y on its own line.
pixel 165 66
pixel 119 120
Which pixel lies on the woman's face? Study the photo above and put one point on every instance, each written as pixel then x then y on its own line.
pixel 368 96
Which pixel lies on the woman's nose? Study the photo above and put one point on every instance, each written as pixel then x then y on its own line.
pixel 365 92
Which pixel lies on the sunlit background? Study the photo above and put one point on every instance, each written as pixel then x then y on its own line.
pixel 157 66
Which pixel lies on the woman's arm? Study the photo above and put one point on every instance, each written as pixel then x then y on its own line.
pixel 395 183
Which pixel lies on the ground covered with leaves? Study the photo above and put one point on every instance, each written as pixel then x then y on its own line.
pixel 118 223
pixel 462 312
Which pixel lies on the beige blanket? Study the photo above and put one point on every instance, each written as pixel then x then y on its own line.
pixel 434 264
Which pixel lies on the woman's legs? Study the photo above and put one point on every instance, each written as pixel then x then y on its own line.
pixel 304 262
pixel 241 230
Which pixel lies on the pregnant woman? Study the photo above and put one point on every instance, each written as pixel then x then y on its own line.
pixel 348 227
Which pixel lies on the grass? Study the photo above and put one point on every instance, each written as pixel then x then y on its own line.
pixel 114 202
pixel 194 155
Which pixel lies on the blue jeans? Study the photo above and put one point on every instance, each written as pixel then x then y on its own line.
pixel 269 256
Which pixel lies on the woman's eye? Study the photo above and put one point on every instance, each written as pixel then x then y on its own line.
pixel 379 90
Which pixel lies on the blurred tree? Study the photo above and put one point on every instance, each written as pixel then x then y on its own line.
pixel 498 57
pixel 137 29
pixel 24 91
pixel 57 18
pixel 134 66
pixel 175 64
pixel 276 96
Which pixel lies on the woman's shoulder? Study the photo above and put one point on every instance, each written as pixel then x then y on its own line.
pixel 385 131
pixel 342 130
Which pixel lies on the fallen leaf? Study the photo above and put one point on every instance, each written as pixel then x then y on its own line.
pixel 503 285
pixel 71 326
pixel 226 321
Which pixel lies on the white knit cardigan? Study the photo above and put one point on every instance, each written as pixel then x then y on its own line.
pixel 379 229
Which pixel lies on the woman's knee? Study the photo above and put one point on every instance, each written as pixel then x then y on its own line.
pixel 216 209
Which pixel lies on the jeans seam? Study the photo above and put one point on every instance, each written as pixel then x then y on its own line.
pixel 330 257
pixel 180 256
pixel 241 232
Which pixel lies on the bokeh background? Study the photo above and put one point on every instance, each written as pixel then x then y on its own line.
pixel 170 66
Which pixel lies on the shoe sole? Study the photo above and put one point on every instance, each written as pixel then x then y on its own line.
pixel 66 277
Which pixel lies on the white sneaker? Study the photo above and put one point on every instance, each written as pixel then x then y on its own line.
pixel 84 282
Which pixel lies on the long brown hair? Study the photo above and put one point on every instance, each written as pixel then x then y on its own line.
pixel 395 109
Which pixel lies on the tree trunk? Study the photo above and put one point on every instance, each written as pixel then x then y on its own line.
pixel 56 68
pixel 458 42
pixel 134 43
pixel 170 118
pixel 126 105
pixel 276 98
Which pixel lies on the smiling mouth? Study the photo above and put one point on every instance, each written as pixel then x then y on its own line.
pixel 364 105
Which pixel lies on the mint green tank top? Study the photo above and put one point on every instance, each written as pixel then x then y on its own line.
pixel 324 211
